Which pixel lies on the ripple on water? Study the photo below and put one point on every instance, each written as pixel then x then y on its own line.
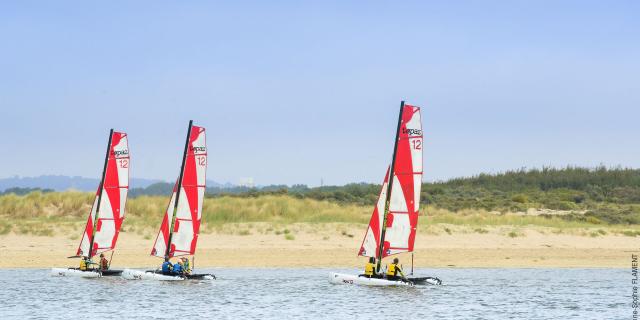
pixel 306 294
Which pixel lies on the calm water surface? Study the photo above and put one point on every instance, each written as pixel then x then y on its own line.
pixel 306 294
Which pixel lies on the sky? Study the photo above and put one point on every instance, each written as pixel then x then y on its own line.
pixel 299 92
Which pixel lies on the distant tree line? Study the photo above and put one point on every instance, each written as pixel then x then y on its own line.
pixel 23 191
pixel 609 195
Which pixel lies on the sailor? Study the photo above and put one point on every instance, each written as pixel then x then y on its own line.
pixel 186 265
pixel 370 268
pixel 104 263
pixel 393 270
pixel 167 267
pixel 85 264
pixel 178 268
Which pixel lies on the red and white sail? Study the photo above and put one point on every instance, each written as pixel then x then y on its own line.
pixel 371 242
pixel 182 238
pixel 404 205
pixel 112 193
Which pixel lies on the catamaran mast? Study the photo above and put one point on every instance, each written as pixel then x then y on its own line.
pixel 175 206
pixel 104 173
pixel 389 187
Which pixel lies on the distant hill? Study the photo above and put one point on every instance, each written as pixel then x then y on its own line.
pixel 62 183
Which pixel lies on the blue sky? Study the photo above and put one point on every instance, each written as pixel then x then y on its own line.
pixel 292 92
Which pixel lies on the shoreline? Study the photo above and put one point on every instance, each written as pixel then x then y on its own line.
pixel 312 246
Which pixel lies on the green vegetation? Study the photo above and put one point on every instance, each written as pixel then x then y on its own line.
pixel 603 195
pixel 631 233
pixel 279 209
pixel 597 199
pixel 37 204
pixel 593 195
pixel 5 227
pixel 37 213
pixel 22 191
pixel 513 234
pixel 599 195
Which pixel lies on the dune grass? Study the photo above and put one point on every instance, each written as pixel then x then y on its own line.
pixel 38 204
pixel 484 218
pixel 38 213
pixel 280 209
pixel 47 213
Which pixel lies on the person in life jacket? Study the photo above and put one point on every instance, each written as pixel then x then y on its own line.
pixel 393 270
pixel 186 265
pixel 178 268
pixel 167 267
pixel 370 268
pixel 104 263
pixel 85 264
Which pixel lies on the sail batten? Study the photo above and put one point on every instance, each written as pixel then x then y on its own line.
pixel 180 226
pixel 108 209
pixel 400 222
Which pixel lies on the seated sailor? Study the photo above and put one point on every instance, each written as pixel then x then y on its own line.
pixel 186 265
pixel 370 268
pixel 104 263
pixel 393 270
pixel 85 264
pixel 167 267
pixel 178 268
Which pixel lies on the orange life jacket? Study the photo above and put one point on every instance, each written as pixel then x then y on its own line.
pixel 104 264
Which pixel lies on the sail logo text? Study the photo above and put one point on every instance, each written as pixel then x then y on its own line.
pixel 198 149
pixel 411 132
pixel 118 153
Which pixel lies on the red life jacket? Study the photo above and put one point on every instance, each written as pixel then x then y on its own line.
pixel 104 264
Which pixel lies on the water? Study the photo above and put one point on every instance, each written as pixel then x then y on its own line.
pixel 306 294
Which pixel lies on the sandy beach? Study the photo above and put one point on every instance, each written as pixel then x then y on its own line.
pixel 337 245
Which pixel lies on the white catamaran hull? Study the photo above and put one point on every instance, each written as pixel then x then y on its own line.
pixel 130 274
pixel 341 278
pixel 67 272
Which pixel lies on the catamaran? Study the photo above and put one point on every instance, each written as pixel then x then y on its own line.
pixel 392 228
pixel 107 213
pixel 178 234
